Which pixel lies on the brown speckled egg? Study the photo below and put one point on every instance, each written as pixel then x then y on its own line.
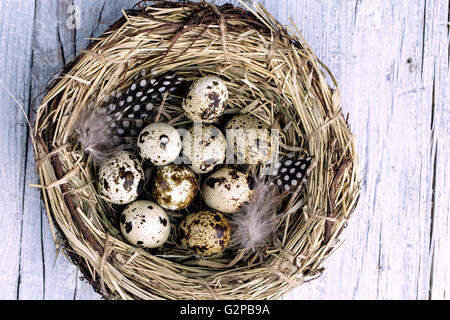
pixel 227 190
pixel 206 99
pixel 145 224
pixel 174 187
pixel 204 147
pixel 205 232
pixel 250 139
pixel 159 143
pixel 121 178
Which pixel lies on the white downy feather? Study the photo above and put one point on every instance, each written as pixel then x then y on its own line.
pixel 257 221
pixel 95 136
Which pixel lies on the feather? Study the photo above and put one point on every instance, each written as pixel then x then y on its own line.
pixel 257 220
pixel 112 126
pixel 290 173
pixel 130 108
pixel 95 136
pixel 256 223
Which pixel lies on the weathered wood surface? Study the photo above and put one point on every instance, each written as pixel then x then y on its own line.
pixel 391 59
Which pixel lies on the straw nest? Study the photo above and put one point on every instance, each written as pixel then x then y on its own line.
pixel 272 74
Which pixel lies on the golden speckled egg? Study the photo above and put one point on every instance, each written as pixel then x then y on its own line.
pixel 204 147
pixel 145 224
pixel 121 178
pixel 205 232
pixel 159 143
pixel 174 187
pixel 206 99
pixel 250 139
pixel 227 190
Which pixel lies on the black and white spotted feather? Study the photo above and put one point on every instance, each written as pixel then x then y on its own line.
pixel 128 110
pixel 111 127
pixel 291 172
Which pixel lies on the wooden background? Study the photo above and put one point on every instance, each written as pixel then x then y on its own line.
pixel 391 59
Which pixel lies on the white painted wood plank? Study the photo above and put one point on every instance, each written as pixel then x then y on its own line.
pixel 16 23
pixel 403 208
pixel 438 33
pixel 32 268
pixel 38 249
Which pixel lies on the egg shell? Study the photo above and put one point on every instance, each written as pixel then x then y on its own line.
pixel 204 147
pixel 251 140
pixel 145 224
pixel 174 187
pixel 206 232
pixel 206 100
pixel 227 190
pixel 121 178
pixel 159 143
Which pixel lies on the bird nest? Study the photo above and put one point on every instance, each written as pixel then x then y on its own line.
pixel 272 74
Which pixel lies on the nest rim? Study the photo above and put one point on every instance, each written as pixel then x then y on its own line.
pixel 110 264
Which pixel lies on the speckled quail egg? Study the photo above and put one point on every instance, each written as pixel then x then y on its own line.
pixel 206 232
pixel 204 147
pixel 174 187
pixel 145 224
pixel 227 190
pixel 206 99
pixel 121 178
pixel 251 140
pixel 159 143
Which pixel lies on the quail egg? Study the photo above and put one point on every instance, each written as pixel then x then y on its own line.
pixel 159 143
pixel 251 140
pixel 205 232
pixel 174 187
pixel 227 190
pixel 206 100
pixel 204 147
pixel 121 178
pixel 145 224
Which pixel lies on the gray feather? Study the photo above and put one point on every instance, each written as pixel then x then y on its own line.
pixel 257 221
pixel 94 135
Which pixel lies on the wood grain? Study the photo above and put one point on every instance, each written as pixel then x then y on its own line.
pixel 16 29
pixel 438 36
pixel 391 59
